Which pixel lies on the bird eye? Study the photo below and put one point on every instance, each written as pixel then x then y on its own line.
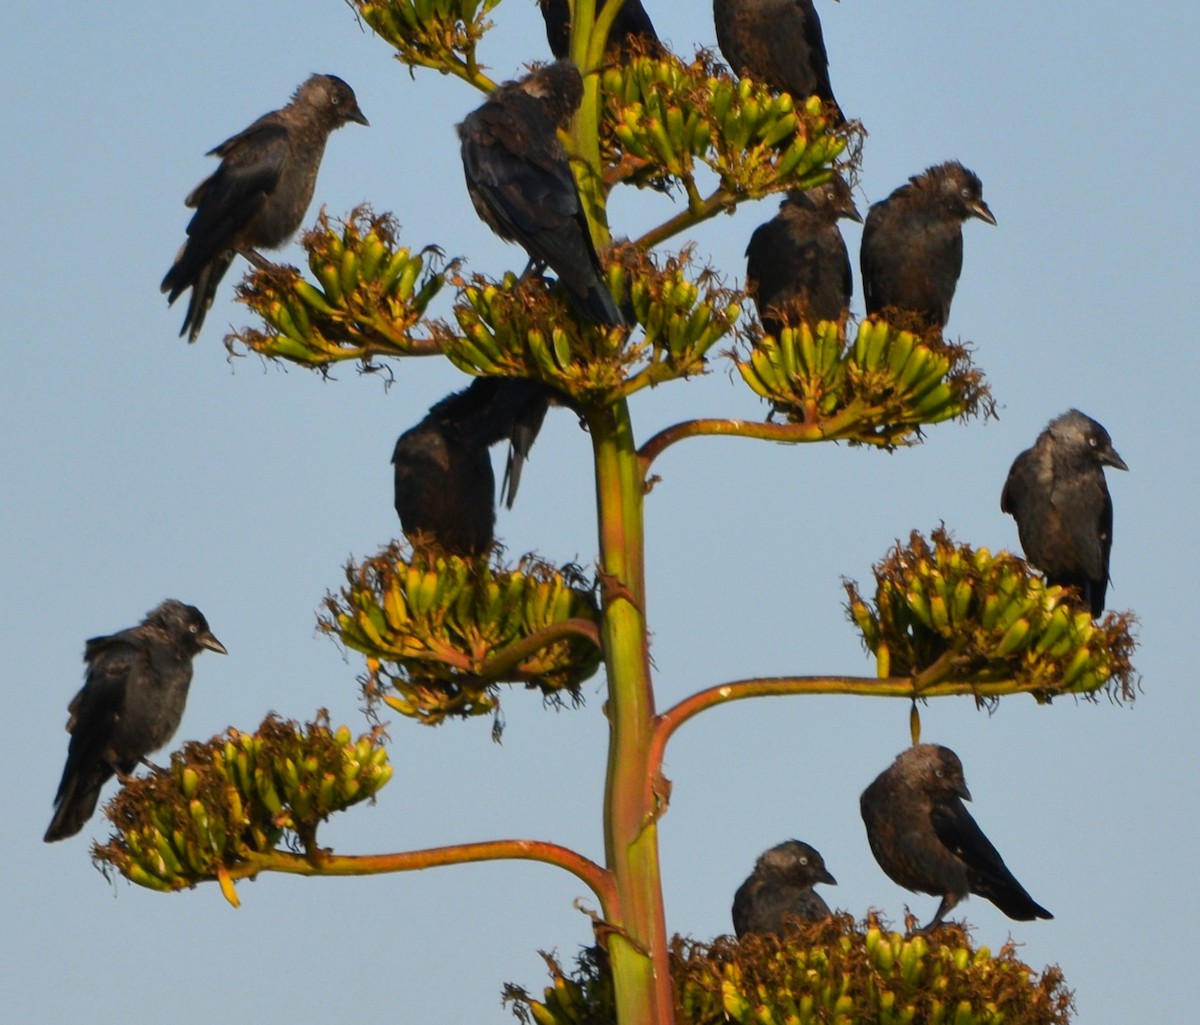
pixel 939 774
pixel 804 861
pixel 193 629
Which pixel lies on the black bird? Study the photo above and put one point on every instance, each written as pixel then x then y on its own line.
pixel 781 886
pixel 131 704
pixel 925 839
pixel 631 23
pixel 779 43
pixel 912 247
pixel 521 183
pixel 1057 493
pixel 445 488
pixel 797 262
pixel 260 193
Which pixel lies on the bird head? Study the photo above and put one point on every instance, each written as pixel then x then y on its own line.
pixel 333 98
pixel 559 86
pixel 833 198
pixel 794 861
pixel 934 769
pixel 1078 432
pixel 959 190
pixel 186 624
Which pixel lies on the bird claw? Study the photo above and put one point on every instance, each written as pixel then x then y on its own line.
pixel 256 258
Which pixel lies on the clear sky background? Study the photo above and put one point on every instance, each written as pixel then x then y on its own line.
pixel 137 467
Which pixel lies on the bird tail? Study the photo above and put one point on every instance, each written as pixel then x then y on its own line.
pixel 202 280
pixel 1011 898
pixel 526 424
pixel 77 799
pixel 599 306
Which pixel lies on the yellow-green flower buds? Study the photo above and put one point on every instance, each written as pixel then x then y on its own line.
pixel 440 631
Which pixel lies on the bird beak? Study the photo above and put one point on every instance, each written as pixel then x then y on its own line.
pixel 962 791
pixel 212 644
pixel 359 117
pixel 850 212
pixel 1110 458
pixel 980 209
pixel 827 877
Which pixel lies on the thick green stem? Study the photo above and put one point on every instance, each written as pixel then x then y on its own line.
pixel 632 800
pixel 585 131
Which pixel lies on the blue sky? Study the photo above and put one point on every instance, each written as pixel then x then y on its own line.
pixel 137 467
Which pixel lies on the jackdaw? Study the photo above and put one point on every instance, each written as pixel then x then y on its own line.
pixel 631 23
pixel 1057 493
pixel 779 43
pixel 781 886
pixel 912 247
pixel 796 264
pixel 925 839
pixel 130 704
pixel 521 184
pixel 260 193
pixel 445 489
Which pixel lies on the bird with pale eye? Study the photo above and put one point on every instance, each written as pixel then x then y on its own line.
pixel 912 246
pixel 259 194
pixel 781 888
pixel 925 839
pixel 1058 494
pixel 131 704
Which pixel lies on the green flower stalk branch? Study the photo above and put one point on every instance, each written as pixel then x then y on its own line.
pixel 222 810
pixel 328 864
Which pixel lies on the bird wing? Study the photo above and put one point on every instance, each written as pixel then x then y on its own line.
pixel 766 271
pixel 868 258
pixel 910 258
pixel 818 58
pixel 97 707
pixel 1086 510
pixel 251 164
pixel 225 202
pixel 1082 511
pixel 632 20
pixel 1013 494
pixel 956 829
pixel 783 47
pixel 526 184
pixel 988 875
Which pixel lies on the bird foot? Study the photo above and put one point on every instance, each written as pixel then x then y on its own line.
pixel 256 258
